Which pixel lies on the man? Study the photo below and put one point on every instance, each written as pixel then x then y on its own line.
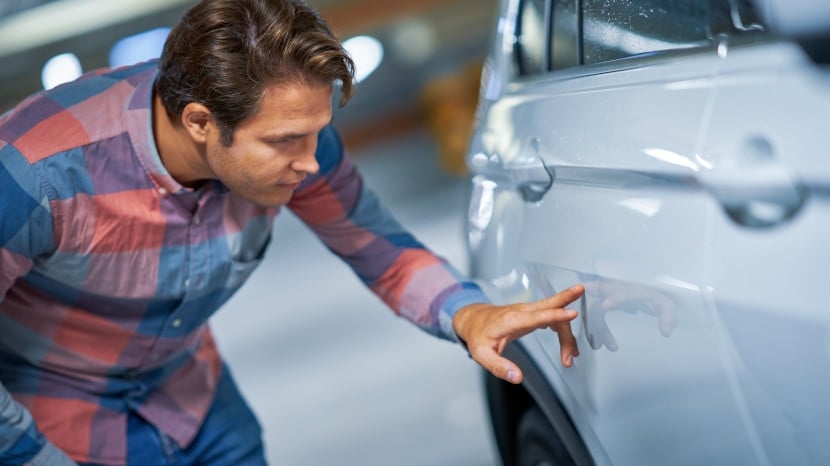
pixel 135 202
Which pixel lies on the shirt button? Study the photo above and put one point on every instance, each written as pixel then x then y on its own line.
pixel 162 191
pixel 196 220
pixel 187 283
pixel 176 323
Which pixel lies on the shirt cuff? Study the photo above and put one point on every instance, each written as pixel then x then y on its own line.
pixel 469 293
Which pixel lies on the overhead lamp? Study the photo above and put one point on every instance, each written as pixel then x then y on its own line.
pixel 60 69
pixel 367 54
pixel 138 47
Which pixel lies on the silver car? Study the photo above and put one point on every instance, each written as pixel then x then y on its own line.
pixel 672 156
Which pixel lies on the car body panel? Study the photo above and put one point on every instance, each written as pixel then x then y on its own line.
pixel 682 191
pixel 635 267
pixel 769 283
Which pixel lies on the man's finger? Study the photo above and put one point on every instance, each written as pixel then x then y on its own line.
pixel 567 343
pixel 561 299
pixel 518 324
pixel 498 365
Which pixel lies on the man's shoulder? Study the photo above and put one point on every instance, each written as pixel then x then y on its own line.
pixel 78 113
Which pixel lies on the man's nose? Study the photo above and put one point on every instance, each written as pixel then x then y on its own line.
pixel 307 162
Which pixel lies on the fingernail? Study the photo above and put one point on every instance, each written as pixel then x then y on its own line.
pixel 570 360
pixel 513 376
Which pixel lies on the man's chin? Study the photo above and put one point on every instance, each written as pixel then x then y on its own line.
pixel 270 201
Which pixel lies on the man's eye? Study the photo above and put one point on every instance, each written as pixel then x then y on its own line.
pixel 286 141
pixel 283 142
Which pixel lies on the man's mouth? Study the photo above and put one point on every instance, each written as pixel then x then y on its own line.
pixel 290 186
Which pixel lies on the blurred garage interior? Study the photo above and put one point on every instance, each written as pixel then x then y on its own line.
pixel 335 378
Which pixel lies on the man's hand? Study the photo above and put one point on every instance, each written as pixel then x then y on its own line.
pixel 487 329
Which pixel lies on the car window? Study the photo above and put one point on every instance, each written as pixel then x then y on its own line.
pixel 564 44
pixel 556 34
pixel 615 29
pixel 531 33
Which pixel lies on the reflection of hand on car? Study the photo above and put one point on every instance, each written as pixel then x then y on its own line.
pixel 488 328
pixel 604 296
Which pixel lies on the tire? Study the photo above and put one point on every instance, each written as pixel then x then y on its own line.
pixel 538 443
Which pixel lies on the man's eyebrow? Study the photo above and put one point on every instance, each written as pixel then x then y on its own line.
pixel 291 134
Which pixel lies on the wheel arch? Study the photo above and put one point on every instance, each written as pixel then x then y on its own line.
pixel 508 402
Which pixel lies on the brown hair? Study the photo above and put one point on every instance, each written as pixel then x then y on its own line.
pixel 224 53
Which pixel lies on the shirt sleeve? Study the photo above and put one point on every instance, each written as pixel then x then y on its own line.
pixel 26 226
pixel 25 233
pixel 20 441
pixel 349 219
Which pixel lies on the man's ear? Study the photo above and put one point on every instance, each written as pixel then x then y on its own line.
pixel 196 119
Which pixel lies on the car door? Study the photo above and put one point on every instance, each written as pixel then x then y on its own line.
pixel 588 167
pixel 766 148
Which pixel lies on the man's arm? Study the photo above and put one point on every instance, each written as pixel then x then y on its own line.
pixel 25 232
pixel 351 221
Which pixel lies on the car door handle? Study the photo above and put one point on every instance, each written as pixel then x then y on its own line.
pixel 531 177
pixel 525 172
pixel 756 189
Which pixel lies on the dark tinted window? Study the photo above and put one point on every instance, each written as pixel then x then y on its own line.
pixel 620 28
pixel 564 34
pixel 531 46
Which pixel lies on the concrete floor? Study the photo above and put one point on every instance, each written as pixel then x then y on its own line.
pixel 334 376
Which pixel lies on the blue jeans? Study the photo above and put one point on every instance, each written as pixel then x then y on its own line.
pixel 230 435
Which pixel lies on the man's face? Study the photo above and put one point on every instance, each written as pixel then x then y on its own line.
pixel 273 150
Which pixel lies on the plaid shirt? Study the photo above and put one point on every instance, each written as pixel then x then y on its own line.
pixel 109 269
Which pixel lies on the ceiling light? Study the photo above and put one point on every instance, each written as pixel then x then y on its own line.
pixel 60 69
pixel 139 47
pixel 367 53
